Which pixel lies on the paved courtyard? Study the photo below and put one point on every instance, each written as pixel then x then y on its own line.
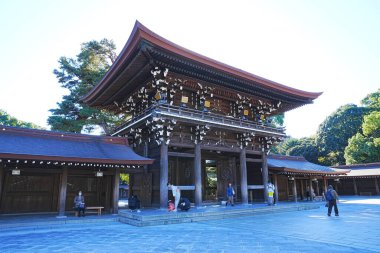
pixel 357 229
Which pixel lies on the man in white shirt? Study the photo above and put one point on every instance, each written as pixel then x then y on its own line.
pixel 176 194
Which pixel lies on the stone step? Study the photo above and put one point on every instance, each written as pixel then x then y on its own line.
pixel 162 217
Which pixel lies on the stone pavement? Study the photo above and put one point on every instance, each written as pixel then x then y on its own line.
pixel 356 230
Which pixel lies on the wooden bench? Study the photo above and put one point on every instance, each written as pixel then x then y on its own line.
pixel 97 209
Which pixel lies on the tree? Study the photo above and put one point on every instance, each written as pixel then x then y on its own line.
pixel 365 148
pixel 7 120
pixel 79 76
pixel 372 100
pixel 333 134
pixel 299 147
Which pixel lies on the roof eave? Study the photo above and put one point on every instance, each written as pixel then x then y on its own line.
pixel 140 32
pixel 75 159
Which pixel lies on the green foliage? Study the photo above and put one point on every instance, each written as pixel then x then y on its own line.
pixel 365 148
pixel 349 135
pixel 372 100
pixel 124 178
pixel 278 120
pixel 362 149
pixel 371 124
pixel 7 120
pixel 79 76
pixel 298 147
pixel 333 134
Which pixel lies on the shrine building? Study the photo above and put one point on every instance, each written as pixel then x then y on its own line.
pixel 203 122
pixel 195 122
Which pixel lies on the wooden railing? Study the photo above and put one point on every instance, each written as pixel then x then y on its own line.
pixel 192 115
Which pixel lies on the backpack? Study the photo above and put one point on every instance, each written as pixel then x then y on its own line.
pixel 329 195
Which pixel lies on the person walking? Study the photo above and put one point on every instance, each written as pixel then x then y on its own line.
pixel 332 198
pixel 176 194
pixel 270 188
pixel 230 195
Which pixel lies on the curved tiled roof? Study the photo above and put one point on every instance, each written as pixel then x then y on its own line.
pixel 299 165
pixel 140 35
pixel 22 143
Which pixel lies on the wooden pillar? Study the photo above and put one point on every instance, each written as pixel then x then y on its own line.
pixel 302 190
pixel 325 185
pixel 243 176
pixel 377 186
pixel 164 176
pixel 295 190
pixel 146 154
pixel 355 186
pixel 265 176
pixel 1 181
pixel 317 190
pixel 115 195
pixel 62 193
pixel 198 175
pixel 311 188
pixel 275 188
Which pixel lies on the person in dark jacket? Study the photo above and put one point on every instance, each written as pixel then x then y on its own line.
pixel 230 194
pixel 79 203
pixel 332 198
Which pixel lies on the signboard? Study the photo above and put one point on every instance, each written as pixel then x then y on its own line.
pixel 16 172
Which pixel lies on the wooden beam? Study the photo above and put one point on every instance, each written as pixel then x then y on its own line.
pixel 179 154
pixel 62 193
pixel 253 160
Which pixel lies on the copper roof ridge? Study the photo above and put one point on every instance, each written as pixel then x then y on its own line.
pixel 61 135
pixel 287 157
pixel 356 165
pixel 141 32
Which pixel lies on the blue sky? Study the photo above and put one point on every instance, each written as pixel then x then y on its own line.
pixel 329 46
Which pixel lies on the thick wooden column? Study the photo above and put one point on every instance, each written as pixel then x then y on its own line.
pixel 377 186
pixel 243 176
pixel 302 190
pixel 115 195
pixel 146 154
pixel 62 193
pixel 295 190
pixel 355 186
pixel 311 189
pixel 265 176
pixel 198 175
pixel 164 175
pixel 1 182
pixel 275 188
pixel 325 185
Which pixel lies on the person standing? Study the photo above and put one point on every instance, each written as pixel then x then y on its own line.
pixel 176 194
pixel 230 195
pixel 332 198
pixel 79 203
pixel 270 188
